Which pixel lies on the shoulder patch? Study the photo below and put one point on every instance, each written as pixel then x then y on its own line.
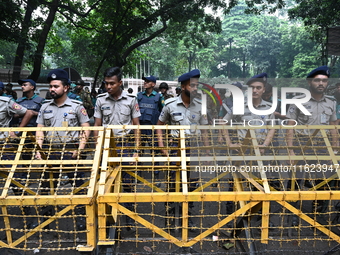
pixel 330 97
pixel 16 106
pixel 170 100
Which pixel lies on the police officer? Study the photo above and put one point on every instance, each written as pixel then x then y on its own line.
pixel 323 112
pixel 337 97
pixel 322 107
pixel 61 111
pixel 84 97
pixel 2 90
pixel 264 137
pixel 116 107
pixel 184 110
pixel 150 104
pixel 164 87
pixel 8 109
pixel 257 84
pixel 30 100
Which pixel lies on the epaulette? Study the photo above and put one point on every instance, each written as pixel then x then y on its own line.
pixel 5 99
pixel 101 95
pixel 170 100
pixel 130 95
pixel 300 96
pixel 330 97
pixel 46 101
pixel 76 101
pixel 199 101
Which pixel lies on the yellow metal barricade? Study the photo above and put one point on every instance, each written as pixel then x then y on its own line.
pixel 194 194
pixel 49 204
pixel 213 197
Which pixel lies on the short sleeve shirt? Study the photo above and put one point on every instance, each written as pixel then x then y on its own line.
pixel 52 115
pixel 8 108
pixel 119 111
pixel 175 113
pixel 250 118
pixel 322 113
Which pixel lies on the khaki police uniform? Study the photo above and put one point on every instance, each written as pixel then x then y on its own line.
pixel 175 113
pixel 255 120
pixel 322 113
pixel 8 108
pixel 52 115
pixel 117 112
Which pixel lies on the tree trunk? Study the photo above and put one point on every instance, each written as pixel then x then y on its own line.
pixel 23 40
pixel 38 56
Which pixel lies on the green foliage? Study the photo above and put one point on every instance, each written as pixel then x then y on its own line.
pixel 7 52
pixel 317 16
pixel 10 20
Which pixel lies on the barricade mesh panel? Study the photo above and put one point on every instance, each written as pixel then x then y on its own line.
pixel 47 203
pixel 195 194
pixel 214 198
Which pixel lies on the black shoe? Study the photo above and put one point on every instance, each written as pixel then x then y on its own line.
pixel 80 220
pixel 81 223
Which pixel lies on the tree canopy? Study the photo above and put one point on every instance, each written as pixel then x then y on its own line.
pixel 232 39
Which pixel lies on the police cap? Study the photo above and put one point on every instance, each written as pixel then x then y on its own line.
pixel 320 70
pixel 187 76
pixel 80 82
pixel 57 74
pixel 262 77
pixel 27 80
pixel 237 84
pixel 150 78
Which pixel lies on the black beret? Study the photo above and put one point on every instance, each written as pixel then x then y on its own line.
pixel 262 77
pixel 320 70
pixel 187 76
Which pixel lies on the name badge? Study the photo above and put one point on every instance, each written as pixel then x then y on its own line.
pixel 48 111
